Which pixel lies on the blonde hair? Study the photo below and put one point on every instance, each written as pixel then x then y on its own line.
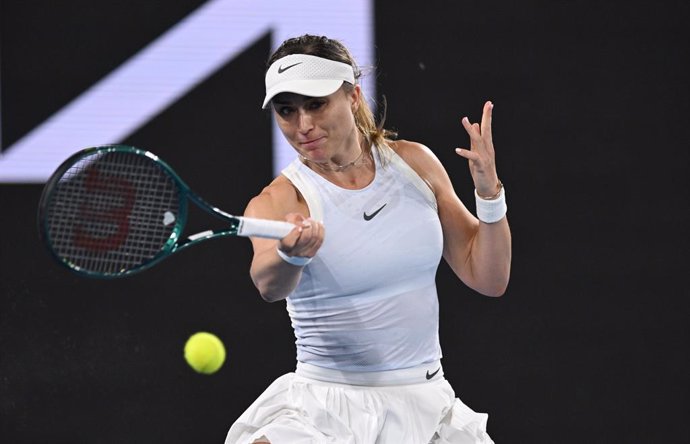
pixel 374 134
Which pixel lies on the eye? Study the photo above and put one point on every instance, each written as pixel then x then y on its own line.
pixel 316 104
pixel 284 111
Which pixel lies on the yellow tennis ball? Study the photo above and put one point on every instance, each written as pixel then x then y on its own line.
pixel 204 352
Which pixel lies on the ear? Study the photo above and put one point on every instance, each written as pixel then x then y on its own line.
pixel 354 97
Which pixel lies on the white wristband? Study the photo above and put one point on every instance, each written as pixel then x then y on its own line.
pixel 299 261
pixel 490 211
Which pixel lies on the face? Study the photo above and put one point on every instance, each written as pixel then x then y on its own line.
pixel 319 128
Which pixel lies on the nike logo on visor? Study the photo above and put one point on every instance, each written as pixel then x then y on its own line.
pixel 372 215
pixel 282 69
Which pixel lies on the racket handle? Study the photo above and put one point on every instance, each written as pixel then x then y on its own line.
pixel 271 229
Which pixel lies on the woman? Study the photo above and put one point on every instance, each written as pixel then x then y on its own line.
pixel 373 217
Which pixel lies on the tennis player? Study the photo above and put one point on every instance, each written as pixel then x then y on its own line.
pixel 373 218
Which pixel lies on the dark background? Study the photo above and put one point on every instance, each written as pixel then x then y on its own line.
pixel 588 345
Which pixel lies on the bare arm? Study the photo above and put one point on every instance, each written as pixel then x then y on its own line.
pixel 479 253
pixel 491 250
pixel 273 277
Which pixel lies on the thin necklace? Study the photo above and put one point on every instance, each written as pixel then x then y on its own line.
pixel 336 168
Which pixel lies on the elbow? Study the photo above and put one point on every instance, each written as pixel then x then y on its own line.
pixel 267 287
pixel 270 293
pixel 269 296
pixel 495 292
pixel 495 289
pixel 497 285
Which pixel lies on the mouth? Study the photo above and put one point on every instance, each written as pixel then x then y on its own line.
pixel 312 143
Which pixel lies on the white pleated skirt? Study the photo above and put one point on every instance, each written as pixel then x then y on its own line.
pixel 302 409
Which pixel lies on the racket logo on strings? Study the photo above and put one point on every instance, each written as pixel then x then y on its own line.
pixel 115 210
pixel 95 211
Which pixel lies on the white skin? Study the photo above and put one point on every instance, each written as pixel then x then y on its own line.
pixel 323 131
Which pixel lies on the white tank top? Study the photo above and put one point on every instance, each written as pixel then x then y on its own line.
pixel 367 301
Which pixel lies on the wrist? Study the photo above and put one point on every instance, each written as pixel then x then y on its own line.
pixel 493 209
pixel 298 261
pixel 488 196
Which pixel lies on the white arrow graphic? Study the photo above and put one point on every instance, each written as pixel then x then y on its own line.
pixel 172 65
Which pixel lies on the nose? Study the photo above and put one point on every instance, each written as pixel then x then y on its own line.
pixel 304 121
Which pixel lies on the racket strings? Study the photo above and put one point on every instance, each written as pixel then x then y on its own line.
pixel 112 211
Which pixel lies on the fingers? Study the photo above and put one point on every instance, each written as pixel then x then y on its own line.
pixel 310 239
pixel 472 130
pixel 482 130
pixel 486 120
pixel 477 143
pixel 289 241
pixel 480 134
pixel 467 154
pixel 481 155
pixel 305 239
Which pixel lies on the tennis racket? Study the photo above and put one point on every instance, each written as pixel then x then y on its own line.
pixel 114 210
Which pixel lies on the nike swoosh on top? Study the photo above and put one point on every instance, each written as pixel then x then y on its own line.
pixel 431 375
pixel 282 69
pixel 372 215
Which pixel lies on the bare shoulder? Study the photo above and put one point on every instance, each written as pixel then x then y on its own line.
pixel 276 200
pixel 421 159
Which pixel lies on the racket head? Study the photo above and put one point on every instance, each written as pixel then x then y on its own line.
pixel 111 211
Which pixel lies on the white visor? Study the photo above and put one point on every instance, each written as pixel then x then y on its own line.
pixel 306 75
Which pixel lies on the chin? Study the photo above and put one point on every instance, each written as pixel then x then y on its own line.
pixel 315 155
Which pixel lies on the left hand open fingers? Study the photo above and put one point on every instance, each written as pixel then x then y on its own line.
pixel 481 155
pixel 481 140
